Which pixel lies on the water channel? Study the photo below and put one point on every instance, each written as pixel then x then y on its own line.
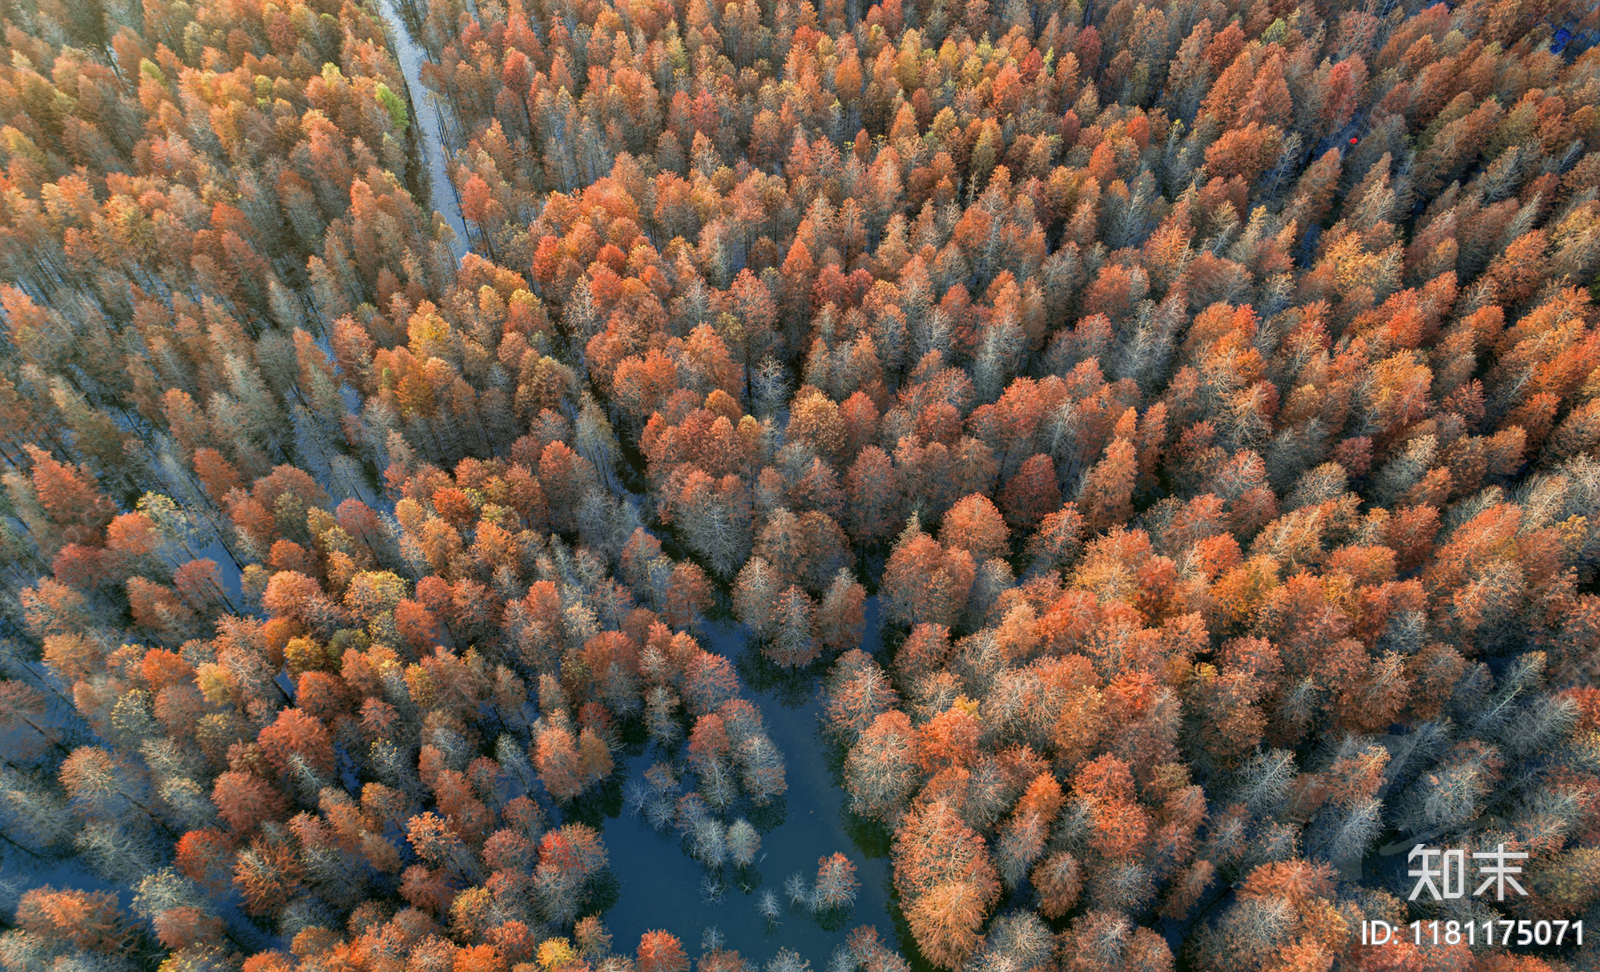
pixel 429 117
pixel 658 885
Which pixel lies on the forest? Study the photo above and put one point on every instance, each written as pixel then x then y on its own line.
pixel 491 485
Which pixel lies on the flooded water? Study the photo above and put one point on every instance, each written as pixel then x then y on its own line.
pixel 660 886
pixel 429 120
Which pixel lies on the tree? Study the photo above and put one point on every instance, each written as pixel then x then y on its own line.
pixel 104 784
pixel 942 871
pixel 570 859
pixel 858 692
pixel 659 951
pixel 89 920
pixel 879 770
pixel 245 800
pixel 1032 493
pixel 924 582
pixel 836 883
pixel 558 762
pixel 1244 152
pixel 793 642
pixel 1102 940
pixel 70 498
pixel 974 524
pixel 714 516
pixel 1022 839
pixel 874 504
pixel 1279 904
pixel 841 617
pixel 176 907
pixel 762 764
pixel 1118 825
pixel 1106 496
pixel 1056 543
pixel 744 841
pixel 296 739
pixel 266 873
pixel 688 595
pixel 1058 880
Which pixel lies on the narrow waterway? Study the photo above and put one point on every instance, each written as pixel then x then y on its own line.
pixel 430 126
pixel 658 885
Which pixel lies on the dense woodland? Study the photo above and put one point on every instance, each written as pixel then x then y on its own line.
pixel 1208 393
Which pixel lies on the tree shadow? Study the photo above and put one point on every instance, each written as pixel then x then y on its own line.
pixel 904 939
pixel 769 816
pixel 833 919
pixel 633 735
pixel 746 880
pixel 890 638
pixel 604 891
pixel 595 805
pixel 833 751
pixel 873 837
pixel 791 687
